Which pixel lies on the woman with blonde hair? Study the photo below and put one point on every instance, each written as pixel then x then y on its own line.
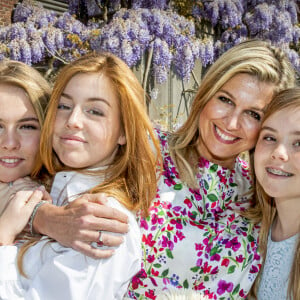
pixel 277 158
pixel 24 95
pixel 95 139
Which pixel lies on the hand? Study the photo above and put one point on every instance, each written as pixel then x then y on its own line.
pixel 77 224
pixel 7 191
pixel 17 213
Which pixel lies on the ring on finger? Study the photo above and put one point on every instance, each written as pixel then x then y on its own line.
pixel 100 240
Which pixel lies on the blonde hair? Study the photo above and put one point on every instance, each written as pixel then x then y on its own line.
pixel 265 211
pixel 132 175
pixel 35 86
pixel 256 58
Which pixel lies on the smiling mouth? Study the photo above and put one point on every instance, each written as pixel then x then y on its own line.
pixel 224 137
pixel 278 172
pixel 10 162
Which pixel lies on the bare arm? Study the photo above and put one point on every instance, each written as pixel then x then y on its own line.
pixel 77 224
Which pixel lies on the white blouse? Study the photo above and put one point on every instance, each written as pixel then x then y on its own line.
pixel 60 273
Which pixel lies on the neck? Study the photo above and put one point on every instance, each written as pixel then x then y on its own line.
pixel 287 222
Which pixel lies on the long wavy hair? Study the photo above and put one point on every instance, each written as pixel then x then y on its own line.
pixel 35 86
pixel 256 58
pixel 264 210
pixel 132 175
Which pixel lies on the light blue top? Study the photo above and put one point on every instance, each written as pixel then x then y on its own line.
pixel 277 267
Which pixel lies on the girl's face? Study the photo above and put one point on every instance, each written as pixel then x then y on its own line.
pixel 19 133
pixel 277 154
pixel 230 121
pixel 87 128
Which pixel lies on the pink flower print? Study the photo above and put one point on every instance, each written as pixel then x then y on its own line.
pixel 199 246
pixel 254 270
pixel 199 287
pixel 170 228
pixel 240 258
pixel 214 270
pixel 136 281
pixel 215 257
pixel 148 240
pixel 242 294
pixel 180 235
pixel 206 268
pixel 150 294
pixel 224 286
pixel 233 244
pixel 256 256
pixel 144 224
pixel 225 262
pixel 188 203
pixel 150 258
pixel 166 243
pixel 199 262
pixel 177 223
pixel 154 273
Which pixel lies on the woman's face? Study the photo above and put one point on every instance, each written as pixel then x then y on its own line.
pixel 229 123
pixel 88 131
pixel 277 155
pixel 19 133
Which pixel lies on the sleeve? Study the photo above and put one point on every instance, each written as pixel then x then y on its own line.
pixel 10 284
pixel 67 274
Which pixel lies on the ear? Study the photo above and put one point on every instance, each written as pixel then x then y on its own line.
pixel 122 140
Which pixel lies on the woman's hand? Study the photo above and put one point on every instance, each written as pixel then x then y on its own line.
pixel 17 213
pixel 8 190
pixel 77 224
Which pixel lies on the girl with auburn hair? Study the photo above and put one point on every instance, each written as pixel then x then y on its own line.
pixel 97 137
pixel 277 161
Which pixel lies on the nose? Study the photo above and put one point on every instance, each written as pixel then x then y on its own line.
pixel 280 152
pixel 233 122
pixel 74 120
pixel 10 140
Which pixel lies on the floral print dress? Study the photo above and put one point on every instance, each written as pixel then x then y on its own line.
pixel 195 239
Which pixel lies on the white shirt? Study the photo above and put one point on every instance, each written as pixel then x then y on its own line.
pixel 60 273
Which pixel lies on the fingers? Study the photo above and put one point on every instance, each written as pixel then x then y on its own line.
pixel 108 240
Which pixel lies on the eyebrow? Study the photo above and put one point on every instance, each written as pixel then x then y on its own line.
pixel 251 108
pixel 29 119
pixel 93 99
pixel 296 132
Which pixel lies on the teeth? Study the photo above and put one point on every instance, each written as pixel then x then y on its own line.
pixel 278 172
pixel 10 160
pixel 223 136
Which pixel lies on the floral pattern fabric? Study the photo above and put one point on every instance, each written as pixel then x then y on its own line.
pixel 196 239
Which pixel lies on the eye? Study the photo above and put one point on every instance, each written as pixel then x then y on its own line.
pixel 29 127
pixel 269 138
pixel 96 112
pixel 297 144
pixel 62 106
pixel 254 115
pixel 225 100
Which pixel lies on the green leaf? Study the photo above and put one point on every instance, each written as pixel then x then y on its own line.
pixel 213 251
pixel 231 269
pixel 212 197
pixel 206 186
pixel 169 253
pixel 213 168
pixel 157 265
pixel 195 269
pixel 236 290
pixel 232 184
pixel 165 273
pixel 178 186
pixel 186 284
pixel 250 238
pixel 206 278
